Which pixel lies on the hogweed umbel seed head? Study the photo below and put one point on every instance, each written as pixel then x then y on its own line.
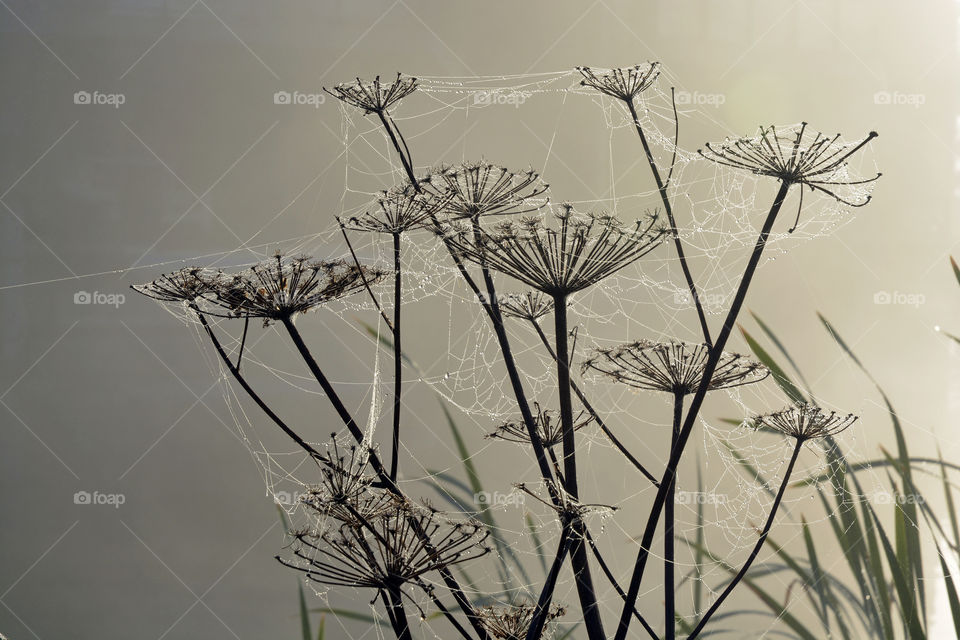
pixel 477 189
pixel 399 210
pixel 398 546
pixel 512 621
pixel 576 253
pixel 548 426
pixel 625 83
pixel 805 421
pixel 675 367
pixel 182 286
pixel 530 306
pixel 282 288
pixel 795 156
pixel 374 97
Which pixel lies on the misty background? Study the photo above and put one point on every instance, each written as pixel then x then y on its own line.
pixel 110 395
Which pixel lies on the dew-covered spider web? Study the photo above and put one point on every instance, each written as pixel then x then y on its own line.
pixel 586 147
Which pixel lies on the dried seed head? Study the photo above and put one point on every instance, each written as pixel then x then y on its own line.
pixel 675 367
pixel 805 422
pixel 400 545
pixel 374 97
pixel 182 286
pixel 548 426
pixel 284 287
pixel 400 209
pixel 531 305
pixel 578 252
pixel 477 189
pixel 795 156
pixel 625 83
pixel 512 621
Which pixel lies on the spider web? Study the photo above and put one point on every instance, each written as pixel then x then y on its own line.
pixel 730 473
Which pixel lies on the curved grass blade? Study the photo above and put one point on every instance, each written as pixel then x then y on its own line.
pixel 779 375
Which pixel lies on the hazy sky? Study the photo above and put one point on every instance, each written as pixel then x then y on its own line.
pixel 139 133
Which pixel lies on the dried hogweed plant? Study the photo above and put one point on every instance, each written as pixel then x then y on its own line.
pixel 366 530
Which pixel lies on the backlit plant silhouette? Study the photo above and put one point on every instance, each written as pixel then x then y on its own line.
pixel 496 225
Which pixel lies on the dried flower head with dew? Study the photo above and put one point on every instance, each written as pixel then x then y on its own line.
pixel 805 421
pixel 548 426
pixel 512 621
pixel 183 286
pixel 345 492
pixel 579 252
pixel 625 83
pixel 398 546
pixel 399 210
pixel 473 190
pixel 798 157
pixel 374 96
pixel 530 306
pixel 281 288
pixel 673 367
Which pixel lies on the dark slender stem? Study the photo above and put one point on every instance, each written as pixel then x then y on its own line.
pixel 578 554
pixel 243 341
pixel 397 614
pixel 756 548
pixel 546 595
pixel 616 585
pixel 593 413
pixel 664 196
pixel 694 410
pixel 404 159
pixel 669 519
pixel 443 609
pixel 363 278
pixel 397 358
pixel 331 393
pixel 253 394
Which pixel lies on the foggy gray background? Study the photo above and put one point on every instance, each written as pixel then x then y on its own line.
pixel 199 159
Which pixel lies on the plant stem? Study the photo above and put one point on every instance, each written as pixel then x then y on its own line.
pixel 593 413
pixel 397 359
pixel 692 413
pixel 396 613
pixel 616 586
pixel 578 554
pixel 669 582
pixel 253 394
pixel 756 548
pixel 665 198
pixel 539 620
